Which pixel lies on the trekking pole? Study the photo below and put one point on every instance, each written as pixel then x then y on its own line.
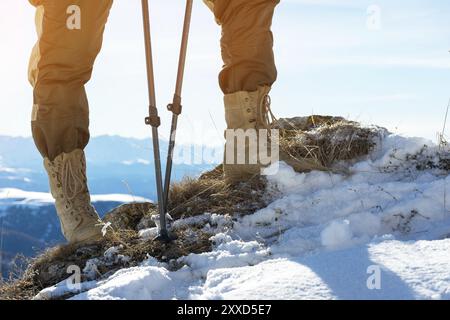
pixel 175 106
pixel 154 121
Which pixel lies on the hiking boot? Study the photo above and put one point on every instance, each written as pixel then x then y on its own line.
pixel 251 110
pixel 80 222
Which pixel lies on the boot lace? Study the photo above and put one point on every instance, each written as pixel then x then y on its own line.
pixel 264 113
pixel 72 179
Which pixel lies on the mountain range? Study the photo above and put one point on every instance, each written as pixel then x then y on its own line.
pixel 115 165
pixel 119 170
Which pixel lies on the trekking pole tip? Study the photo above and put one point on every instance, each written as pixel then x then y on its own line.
pixel 164 237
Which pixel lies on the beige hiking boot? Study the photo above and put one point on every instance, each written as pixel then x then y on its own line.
pixel 251 110
pixel 80 222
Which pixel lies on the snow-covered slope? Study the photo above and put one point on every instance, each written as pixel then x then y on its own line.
pixel 380 233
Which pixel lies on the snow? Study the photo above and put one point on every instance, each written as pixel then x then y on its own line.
pixel 17 197
pixel 142 283
pixel 138 161
pixel 337 235
pixel 63 288
pixel 124 198
pixel 149 233
pixel 111 256
pixel 341 274
pixel 12 197
pixel 380 233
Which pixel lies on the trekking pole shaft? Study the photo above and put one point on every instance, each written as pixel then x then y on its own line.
pixel 184 45
pixel 169 162
pixel 153 118
pixel 175 107
pixel 149 56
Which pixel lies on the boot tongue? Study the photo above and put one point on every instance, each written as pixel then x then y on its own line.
pixel 72 177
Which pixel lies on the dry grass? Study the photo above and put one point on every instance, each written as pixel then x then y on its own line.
pixel 20 286
pixel 210 193
pixel 326 139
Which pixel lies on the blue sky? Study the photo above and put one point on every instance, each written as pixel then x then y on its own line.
pixel 330 62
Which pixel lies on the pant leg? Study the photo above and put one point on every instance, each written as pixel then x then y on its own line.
pixel 60 65
pixel 247 43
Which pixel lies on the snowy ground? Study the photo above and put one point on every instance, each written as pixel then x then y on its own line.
pixel 381 233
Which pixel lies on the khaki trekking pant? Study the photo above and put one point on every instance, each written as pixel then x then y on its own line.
pixel 70 34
